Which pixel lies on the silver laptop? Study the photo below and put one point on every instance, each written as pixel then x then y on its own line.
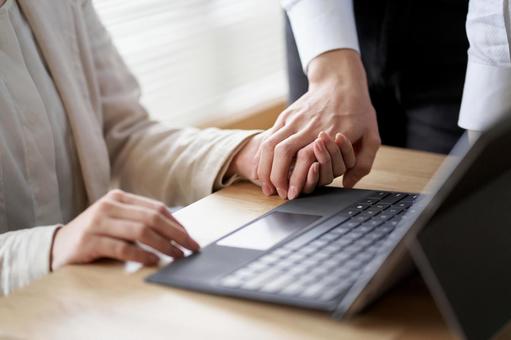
pixel 339 249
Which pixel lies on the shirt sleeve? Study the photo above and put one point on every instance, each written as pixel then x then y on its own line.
pixel 486 95
pixel 320 26
pixel 24 256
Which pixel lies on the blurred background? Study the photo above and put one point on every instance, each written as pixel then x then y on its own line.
pixel 203 62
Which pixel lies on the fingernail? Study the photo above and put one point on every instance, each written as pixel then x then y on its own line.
pixel 293 192
pixel 196 246
pixel 266 189
pixel 282 193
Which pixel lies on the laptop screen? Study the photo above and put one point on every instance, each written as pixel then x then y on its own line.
pixel 464 251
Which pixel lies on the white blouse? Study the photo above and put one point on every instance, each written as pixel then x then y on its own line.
pixel 36 145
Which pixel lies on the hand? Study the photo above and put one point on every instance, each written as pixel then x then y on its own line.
pixel 319 163
pixel 315 165
pixel 337 101
pixel 111 226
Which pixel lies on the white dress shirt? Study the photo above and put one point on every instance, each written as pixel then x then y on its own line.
pixel 487 93
pixel 321 25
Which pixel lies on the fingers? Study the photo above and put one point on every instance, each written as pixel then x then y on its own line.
pixel 326 175
pixel 348 154
pixel 368 148
pixel 283 157
pixel 338 166
pixel 134 231
pixel 312 179
pixel 122 251
pixel 266 158
pixel 304 160
pixel 156 220
pixel 128 198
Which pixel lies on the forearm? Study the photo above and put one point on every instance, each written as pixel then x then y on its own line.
pixel 24 256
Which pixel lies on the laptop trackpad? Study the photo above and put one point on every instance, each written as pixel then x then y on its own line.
pixel 267 231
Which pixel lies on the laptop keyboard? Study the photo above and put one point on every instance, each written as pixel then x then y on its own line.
pixel 324 262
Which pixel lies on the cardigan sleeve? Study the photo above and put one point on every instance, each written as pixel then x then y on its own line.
pixel 174 165
pixel 24 256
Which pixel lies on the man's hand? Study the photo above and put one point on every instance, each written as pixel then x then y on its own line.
pixel 337 102
pixel 111 227
pixel 317 164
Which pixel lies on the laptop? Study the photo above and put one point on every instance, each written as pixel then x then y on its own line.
pixel 339 249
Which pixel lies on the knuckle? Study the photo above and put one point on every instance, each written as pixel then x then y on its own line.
pixel 122 250
pixel 161 208
pixel 153 218
pixel 142 231
pixel 283 149
pixel 277 180
pixel 104 206
pixel 268 145
pixel 305 155
pixel 115 194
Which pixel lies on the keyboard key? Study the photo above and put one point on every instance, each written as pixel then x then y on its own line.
pixel 328 237
pixel 318 243
pixel 393 198
pixel 335 291
pixel 260 279
pixel 313 290
pixel 411 198
pixel 297 286
pixel 301 268
pixel 278 284
pixel 365 228
pixel 369 201
pixel 281 251
pixel 231 281
pixel 295 257
pixel 380 206
pixel 318 271
pixel 373 211
pixel 361 218
pixel 342 242
pixel 359 207
pixel 257 266
pixel 404 204
pixel 351 224
pixel 340 230
pixel 268 259
pixel 379 195
pixel 307 250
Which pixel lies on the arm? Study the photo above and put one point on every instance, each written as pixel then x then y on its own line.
pixel 24 256
pixel 488 80
pixel 176 166
pixel 337 100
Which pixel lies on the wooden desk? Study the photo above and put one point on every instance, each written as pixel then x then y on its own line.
pixel 103 302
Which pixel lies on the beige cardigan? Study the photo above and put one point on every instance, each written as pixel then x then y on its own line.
pixel 114 137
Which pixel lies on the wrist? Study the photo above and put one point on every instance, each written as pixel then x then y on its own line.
pixel 335 66
pixel 243 163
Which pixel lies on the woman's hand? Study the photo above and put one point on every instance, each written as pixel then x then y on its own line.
pixel 112 225
pixel 319 163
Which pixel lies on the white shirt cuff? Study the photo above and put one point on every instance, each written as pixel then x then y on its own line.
pixel 322 25
pixel 486 96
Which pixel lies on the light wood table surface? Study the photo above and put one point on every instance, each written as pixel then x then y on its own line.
pixel 102 301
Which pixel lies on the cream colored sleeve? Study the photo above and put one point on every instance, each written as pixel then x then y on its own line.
pixel 176 166
pixel 24 256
